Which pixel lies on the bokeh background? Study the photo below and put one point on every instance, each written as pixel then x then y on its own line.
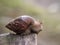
pixel 47 11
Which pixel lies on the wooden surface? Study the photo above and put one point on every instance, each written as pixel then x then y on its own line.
pixel 12 39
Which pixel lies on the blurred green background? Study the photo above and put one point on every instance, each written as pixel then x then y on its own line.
pixel 47 11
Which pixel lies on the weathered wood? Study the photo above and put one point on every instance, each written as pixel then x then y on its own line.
pixel 13 39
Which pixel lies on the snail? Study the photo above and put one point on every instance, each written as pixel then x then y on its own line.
pixel 24 25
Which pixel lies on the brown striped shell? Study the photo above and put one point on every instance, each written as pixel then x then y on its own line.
pixel 22 23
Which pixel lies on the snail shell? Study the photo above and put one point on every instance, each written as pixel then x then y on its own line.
pixel 24 25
